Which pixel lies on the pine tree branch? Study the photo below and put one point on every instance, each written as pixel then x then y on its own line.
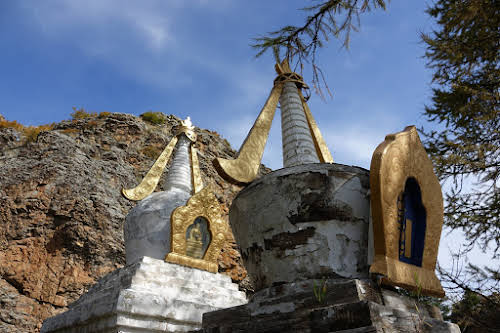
pixel 300 43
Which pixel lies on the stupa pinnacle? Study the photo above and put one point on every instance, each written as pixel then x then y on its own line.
pixel 184 172
pixel 298 145
pixel 147 229
pixel 302 141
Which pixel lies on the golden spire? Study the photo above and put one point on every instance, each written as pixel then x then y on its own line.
pixel 150 181
pixel 245 167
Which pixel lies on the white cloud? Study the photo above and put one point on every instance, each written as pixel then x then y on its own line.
pixel 146 41
pixel 157 35
pixel 136 38
pixel 150 23
pixel 93 24
pixel 354 141
pixel 249 89
pixel 235 130
pixel 351 147
pixel 273 153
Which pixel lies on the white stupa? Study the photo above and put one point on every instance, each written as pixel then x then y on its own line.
pixel 150 294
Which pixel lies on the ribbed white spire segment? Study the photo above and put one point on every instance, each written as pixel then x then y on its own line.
pixel 179 174
pixel 298 145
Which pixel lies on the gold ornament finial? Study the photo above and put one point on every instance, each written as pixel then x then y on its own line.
pixel 245 167
pixel 187 123
pixel 188 129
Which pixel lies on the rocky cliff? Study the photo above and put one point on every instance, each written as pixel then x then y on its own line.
pixel 62 212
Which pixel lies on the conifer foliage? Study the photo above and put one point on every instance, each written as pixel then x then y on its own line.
pixel 327 19
pixel 463 51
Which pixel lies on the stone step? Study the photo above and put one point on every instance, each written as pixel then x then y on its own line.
pixel 158 272
pixel 168 287
pixel 139 304
pixel 184 306
pixel 216 297
pixel 174 282
pixel 127 323
pixel 157 278
pixel 346 306
pixel 148 324
pixel 160 267
pixel 358 317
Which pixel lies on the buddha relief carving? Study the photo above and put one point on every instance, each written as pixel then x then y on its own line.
pixel 197 238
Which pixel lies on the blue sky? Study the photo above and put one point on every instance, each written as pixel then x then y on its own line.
pixel 192 57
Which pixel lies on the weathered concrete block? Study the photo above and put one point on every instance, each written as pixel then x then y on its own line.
pixel 372 317
pixel 148 296
pixel 304 222
pixel 346 306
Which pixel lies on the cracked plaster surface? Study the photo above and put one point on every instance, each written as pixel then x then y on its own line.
pixel 308 221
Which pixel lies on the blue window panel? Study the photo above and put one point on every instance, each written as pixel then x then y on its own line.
pixel 412 224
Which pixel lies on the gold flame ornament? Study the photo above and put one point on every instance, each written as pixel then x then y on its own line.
pixel 150 181
pixel 245 167
pixel 407 212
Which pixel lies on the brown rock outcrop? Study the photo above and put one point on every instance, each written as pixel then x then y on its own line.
pixel 62 212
